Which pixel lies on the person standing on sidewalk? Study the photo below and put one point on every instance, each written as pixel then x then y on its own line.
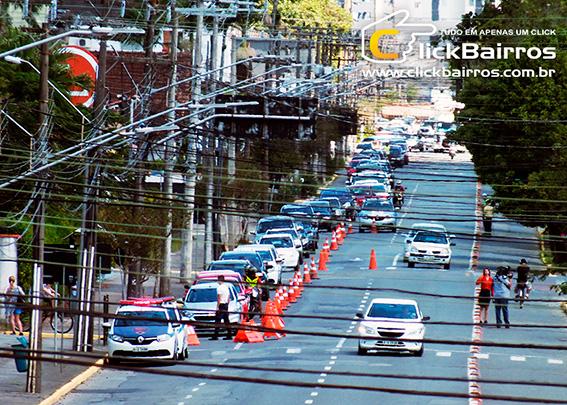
pixel 486 292
pixel 502 288
pixel 522 289
pixel 487 214
pixel 14 295
pixel 223 298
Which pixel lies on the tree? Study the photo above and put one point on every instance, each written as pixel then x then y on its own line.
pixel 514 126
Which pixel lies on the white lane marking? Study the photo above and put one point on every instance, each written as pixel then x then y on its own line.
pixel 517 358
pixel 181 403
pixel 444 354
pixel 323 374
pixel 238 346
pixel 214 370
pixel 188 396
pixel 395 262
pixel 363 268
pixel 321 380
pixel 308 401
pixel 391 268
pixel 201 384
pixel 314 393
pixel 482 355
pixel 380 365
pixel 341 343
pixel 353 323
pixel 327 368
pixel 332 362
pixel 554 361
pixel 218 353
pixel 195 389
pixel 363 301
pixel 356 259
pixel 367 294
pixel 294 350
pixel 333 357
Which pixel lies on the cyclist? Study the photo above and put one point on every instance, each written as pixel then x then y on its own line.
pixel 522 284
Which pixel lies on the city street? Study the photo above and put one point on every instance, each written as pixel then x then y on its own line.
pixel 438 189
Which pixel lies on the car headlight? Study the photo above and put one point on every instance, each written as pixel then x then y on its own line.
pixel 365 330
pixel 163 338
pixel 415 332
pixel 116 338
pixel 413 249
pixel 444 251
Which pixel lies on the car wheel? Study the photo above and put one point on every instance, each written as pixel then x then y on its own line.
pixel 360 229
pixel 419 353
pixel 186 353
pixel 181 356
pixel 394 229
pixel 305 254
pixel 447 266
pixel 411 265
pixel 112 361
pixel 361 351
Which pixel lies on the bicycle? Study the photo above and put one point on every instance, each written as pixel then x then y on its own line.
pixel 62 323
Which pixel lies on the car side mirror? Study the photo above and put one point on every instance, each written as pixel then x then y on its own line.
pixel 105 325
pixel 269 266
pixel 453 244
pixel 298 245
pixel 175 325
pixel 408 240
pixel 426 318
pixel 252 232
pixel 359 315
pixel 279 260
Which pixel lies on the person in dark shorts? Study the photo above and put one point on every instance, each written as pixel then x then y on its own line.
pixel 486 293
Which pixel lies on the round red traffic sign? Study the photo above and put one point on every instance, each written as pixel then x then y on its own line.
pixel 81 62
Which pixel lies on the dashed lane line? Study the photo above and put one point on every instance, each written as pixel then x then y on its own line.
pixel 395 262
pixel 341 343
pixel 294 350
pixel 518 358
pixel 238 346
pixel 554 361
pixel 443 354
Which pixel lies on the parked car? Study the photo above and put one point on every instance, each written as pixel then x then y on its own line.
pixel 323 213
pixel 201 300
pixel 269 256
pixel 273 222
pixel 239 266
pixel 363 192
pixel 284 245
pixel 378 211
pixel 397 156
pixel 299 241
pixel 253 257
pixel 430 248
pixel 145 329
pixel 386 319
pixel 344 196
pixel 339 213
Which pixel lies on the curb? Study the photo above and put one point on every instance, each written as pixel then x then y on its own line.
pixel 74 383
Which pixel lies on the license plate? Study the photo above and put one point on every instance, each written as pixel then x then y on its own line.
pixel 429 258
pixel 140 349
pixel 388 343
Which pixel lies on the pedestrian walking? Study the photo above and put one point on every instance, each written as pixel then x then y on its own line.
pixel 487 214
pixel 14 299
pixel 502 288
pixel 223 298
pixel 523 287
pixel 486 293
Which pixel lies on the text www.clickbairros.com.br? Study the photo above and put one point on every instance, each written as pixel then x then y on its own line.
pixel 456 73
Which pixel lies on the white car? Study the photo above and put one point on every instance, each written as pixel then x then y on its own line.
pixel 285 247
pixel 422 226
pixel 201 300
pixel 269 256
pixel 299 242
pixel 386 319
pixel 430 248
pixel 149 332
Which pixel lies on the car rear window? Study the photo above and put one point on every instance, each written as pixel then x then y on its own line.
pixel 250 256
pixel 294 209
pixel 277 242
pixel 394 311
pixel 263 226
pixel 151 318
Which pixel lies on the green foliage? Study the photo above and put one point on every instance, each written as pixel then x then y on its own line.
pixel 512 125
pixel 314 14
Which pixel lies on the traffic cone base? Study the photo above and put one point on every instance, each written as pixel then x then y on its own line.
pixel 248 336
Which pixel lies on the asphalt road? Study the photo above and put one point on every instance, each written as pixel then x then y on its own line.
pixel 438 189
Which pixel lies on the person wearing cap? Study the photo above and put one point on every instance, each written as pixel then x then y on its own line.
pixel 522 284
pixel 487 214
pixel 223 298
pixel 502 287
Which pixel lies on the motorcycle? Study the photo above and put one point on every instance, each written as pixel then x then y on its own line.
pixel 254 296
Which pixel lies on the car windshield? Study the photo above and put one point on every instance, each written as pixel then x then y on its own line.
pixel 377 205
pixel 392 311
pixel 297 209
pixel 202 295
pixel 277 242
pixel 239 267
pixel 288 231
pixel 395 151
pixel 263 226
pixel 151 318
pixel 319 208
pixel 430 238
pixel 335 203
pixel 252 257
pixel 265 255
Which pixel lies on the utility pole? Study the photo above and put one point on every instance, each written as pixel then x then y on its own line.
pixel 191 159
pixel 165 282
pixel 33 380
pixel 209 224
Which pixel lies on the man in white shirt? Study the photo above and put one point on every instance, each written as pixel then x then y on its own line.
pixel 223 298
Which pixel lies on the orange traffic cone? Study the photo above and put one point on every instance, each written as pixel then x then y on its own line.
pixel 334 245
pixel 326 245
pixel 372 265
pixel 271 322
pixel 306 275
pixel 340 236
pixel 192 339
pixel 373 228
pixel 323 261
pixel 313 270
pixel 247 335
pixel 350 230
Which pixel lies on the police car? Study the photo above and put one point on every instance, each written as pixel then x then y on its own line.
pixel 147 328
